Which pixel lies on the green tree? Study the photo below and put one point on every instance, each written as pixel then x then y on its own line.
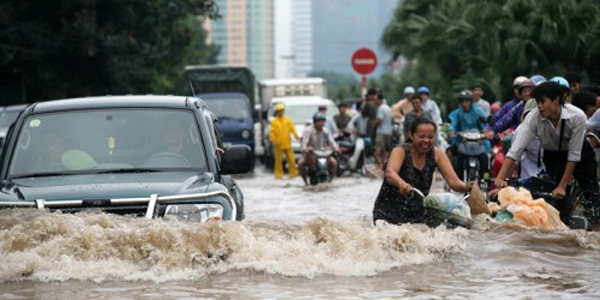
pixel 73 48
pixel 455 43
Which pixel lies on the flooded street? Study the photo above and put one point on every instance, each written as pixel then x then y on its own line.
pixel 295 242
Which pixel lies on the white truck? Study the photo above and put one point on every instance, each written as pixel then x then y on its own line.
pixel 301 96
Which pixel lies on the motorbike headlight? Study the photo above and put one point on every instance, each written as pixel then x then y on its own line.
pixel 246 134
pixel 194 212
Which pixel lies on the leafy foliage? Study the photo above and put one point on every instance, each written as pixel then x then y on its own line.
pixel 57 49
pixel 455 43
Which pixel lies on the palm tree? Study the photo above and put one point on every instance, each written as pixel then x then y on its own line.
pixel 458 42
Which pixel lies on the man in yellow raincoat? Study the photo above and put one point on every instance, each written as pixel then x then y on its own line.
pixel 280 129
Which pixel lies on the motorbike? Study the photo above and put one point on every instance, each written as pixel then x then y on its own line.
pixel 501 144
pixel 321 174
pixel 353 154
pixel 470 148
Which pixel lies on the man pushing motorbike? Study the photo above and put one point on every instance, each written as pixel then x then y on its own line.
pixel 316 138
pixel 560 129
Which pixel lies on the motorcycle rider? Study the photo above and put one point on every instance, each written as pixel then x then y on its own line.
pixel 317 138
pixel 468 117
pixel 477 90
pixel 404 106
pixel 516 99
pixel 414 114
pixel 429 105
pixel 513 118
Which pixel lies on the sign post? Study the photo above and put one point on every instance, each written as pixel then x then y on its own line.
pixel 364 61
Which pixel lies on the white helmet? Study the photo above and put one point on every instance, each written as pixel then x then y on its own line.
pixel 409 90
pixel 517 82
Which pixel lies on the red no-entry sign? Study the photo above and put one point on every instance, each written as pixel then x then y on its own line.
pixel 364 61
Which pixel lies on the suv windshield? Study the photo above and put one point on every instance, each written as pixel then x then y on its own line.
pixel 111 140
pixel 228 107
pixel 7 117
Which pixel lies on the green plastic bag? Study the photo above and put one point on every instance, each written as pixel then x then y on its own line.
pixel 503 215
pixel 447 209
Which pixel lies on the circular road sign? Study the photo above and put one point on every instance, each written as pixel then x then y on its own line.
pixel 364 61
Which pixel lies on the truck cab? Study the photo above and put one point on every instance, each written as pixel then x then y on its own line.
pixel 228 91
pixel 234 117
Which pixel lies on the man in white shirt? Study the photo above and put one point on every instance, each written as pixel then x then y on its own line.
pixel 560 129
pixel 531 159
pixel 477 91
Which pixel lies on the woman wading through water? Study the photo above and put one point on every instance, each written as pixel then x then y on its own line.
pixel 412 165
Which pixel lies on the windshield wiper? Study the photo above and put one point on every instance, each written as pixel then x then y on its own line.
pixel 47 174
pixel 88 172
pixel 126 170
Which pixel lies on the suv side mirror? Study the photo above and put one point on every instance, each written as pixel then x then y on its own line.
pixel 237 159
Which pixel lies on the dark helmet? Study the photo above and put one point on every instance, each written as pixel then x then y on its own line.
pixel 465 95
pixel 319 117
pixel 373 91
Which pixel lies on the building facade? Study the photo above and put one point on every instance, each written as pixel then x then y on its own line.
pixel 302 37
pixel 245 34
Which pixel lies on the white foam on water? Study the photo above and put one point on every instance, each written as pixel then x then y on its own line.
pixel 55 247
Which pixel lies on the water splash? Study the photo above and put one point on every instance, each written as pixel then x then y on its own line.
pixel 37 245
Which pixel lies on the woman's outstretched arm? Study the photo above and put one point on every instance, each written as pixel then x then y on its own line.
pixel 443 163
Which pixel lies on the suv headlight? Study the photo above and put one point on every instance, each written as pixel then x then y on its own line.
pixel 246 134
pixel 194 212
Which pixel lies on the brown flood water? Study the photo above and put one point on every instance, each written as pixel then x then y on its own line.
pixel 295 243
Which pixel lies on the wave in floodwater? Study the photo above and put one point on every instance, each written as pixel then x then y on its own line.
pixel 43 246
